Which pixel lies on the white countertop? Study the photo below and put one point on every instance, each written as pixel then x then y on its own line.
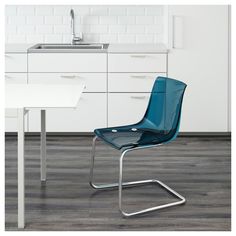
pixel 17 48
pixel 113 48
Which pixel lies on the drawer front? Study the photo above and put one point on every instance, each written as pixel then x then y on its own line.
pixel 137 63
pixel 95 82
pixel 132 82
pixel 10 112
pixel 67 62
pixel 11 124
pixel 90 114
pixel 126 108
pixel 14 78
pixel 15 62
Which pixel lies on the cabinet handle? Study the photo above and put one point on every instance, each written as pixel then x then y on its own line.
pixel 138 56
pixel 70 76
pixel 138 97
pixel 139 76
pixel 177 32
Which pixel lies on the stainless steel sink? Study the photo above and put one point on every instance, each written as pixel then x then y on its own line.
pixel 82 47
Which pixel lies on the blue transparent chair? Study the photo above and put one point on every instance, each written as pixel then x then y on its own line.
pixel 160 125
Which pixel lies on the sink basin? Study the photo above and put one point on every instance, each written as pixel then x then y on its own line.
pixel 83 47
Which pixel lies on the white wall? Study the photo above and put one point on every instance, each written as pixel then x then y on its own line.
pixel 114 24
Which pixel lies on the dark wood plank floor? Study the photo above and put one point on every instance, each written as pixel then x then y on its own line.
pixel 196 167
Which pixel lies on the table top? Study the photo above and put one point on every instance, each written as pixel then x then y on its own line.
pixel 42 96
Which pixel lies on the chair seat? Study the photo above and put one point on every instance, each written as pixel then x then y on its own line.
pixel 131 136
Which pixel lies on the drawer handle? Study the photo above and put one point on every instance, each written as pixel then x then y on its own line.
pixel 139 76
pixel 138 56
pixel 138 97
pixel 8 77
pixel 70 76
pixel 7 56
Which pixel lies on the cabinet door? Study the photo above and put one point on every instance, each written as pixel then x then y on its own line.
pixel 11 122
pixel 16 62
pixel 199 57
pixel 90 114
pixel 16 78
pixel 11 114
pixel 150 62
pixel 126 108
pixel 95 82
pixel 67 62
pixel 132 82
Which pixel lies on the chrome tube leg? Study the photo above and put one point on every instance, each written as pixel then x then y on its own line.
pixel 104 186
pixel 21 168
pixel 142 182
pixel 120 180
pixel 92 163
pixel 120 186
pixel 43 147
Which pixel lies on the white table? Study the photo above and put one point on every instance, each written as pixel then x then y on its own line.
pixel 42 97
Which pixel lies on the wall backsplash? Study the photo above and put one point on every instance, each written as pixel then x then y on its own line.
pixel 112 24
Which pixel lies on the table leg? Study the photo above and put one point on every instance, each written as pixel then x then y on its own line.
pixel 21 169
pixel 43 145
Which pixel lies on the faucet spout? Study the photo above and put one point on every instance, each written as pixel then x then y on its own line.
pixel 72 15
pixel 74 39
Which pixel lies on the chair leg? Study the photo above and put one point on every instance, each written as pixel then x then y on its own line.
pixel 104 186
pixel 173 192
pixel 120 185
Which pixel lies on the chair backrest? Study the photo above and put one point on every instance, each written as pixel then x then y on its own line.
pixel 164 108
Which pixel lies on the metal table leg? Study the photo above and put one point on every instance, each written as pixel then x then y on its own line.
pixel 21 169
pixel 43 146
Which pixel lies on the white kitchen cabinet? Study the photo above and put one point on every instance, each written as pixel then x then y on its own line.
pixel 16 62
pixel 72 68
pixel 132 82
pixel 15 78
pixel 90 114
pixel 11 114
pixel 199 56
pixel 124 62
pixel 95 82
pixel 126 108
pixel 67 62
pixel 11 124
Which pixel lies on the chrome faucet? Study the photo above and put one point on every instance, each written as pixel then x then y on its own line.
pixel 74 39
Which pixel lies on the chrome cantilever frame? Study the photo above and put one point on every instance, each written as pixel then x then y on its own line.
pixel 120 184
